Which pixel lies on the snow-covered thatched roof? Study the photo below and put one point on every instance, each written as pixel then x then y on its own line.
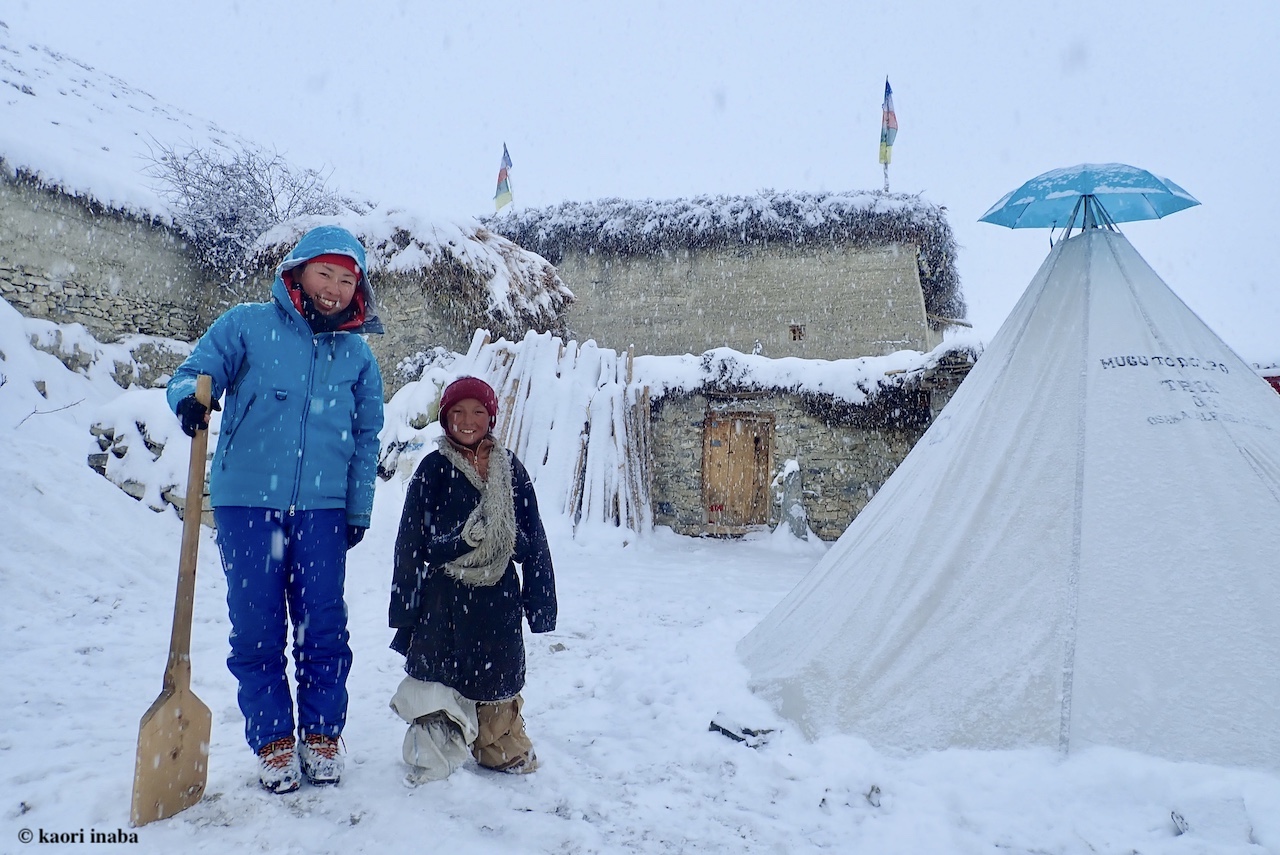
pixel 858 218
pixel 867 390
pixel 69 127
pixel 508 283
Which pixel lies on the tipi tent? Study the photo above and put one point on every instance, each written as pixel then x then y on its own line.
pixel 1083 549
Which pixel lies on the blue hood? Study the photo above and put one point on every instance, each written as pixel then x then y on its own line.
pixel 323 240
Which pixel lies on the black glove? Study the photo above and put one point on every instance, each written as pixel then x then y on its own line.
pixel 194 415
pixel 355 534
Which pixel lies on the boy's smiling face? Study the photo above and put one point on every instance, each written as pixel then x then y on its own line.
pixel 467 421
pixel 330 286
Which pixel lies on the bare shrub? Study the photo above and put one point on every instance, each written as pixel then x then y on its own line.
pixel 224 199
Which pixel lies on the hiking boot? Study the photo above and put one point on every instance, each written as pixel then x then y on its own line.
pixel 278 766
pixel 321 762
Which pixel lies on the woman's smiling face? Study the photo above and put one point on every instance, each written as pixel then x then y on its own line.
pixel 467 421
pixel 330 286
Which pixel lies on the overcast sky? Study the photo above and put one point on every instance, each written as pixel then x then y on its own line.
pixel 409 103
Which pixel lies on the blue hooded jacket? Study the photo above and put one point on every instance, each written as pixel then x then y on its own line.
pixel 303 410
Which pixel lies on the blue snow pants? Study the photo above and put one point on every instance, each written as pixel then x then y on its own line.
pixel 283 567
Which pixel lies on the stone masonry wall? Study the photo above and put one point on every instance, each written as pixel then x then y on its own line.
pixel 814 302
pixel 64 262
pixel 841 467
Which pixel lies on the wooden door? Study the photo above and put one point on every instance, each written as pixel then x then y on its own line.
pixel 736 463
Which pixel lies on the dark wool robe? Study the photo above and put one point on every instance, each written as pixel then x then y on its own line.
pixel 468 638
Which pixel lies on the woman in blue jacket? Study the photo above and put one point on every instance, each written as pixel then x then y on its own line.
pixel 291 486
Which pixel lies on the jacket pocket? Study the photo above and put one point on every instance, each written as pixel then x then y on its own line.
pixel 235 428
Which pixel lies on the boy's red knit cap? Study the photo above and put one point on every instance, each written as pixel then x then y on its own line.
pixel 470 387
pixel 336 258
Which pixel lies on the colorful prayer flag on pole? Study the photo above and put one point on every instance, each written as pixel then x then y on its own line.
pixel 888 131
pixel 502 196
pixel 888 125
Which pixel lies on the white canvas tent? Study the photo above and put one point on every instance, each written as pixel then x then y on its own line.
pixel 1083 549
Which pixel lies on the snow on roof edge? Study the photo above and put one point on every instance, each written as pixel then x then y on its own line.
pixel 520 283
pixel 854 382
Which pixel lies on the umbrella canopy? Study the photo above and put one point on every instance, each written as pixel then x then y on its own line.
pixel 1053 200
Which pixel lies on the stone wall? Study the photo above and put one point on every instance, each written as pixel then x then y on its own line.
pixel 841 466
pixel 68 261
pixel 813 302
pixel 65 261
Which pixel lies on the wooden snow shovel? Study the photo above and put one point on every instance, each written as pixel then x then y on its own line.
pixel 173 736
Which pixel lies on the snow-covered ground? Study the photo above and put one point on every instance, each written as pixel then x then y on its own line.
pixel 619 701
pixel 621 695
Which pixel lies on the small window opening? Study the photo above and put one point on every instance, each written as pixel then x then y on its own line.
pixel 797 332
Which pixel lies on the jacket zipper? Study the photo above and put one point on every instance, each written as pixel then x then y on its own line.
pixel 302 430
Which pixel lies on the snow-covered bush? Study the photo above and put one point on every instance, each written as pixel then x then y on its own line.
pixel 411 416
pixel 470 274
pixel 224 199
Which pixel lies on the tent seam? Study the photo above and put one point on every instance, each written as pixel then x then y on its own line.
pixel 1073 574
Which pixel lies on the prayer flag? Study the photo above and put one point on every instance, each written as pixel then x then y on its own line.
pixel 888 125
pixel 502 196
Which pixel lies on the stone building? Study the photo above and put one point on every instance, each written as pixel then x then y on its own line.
pixel 436 282
pixel 848 277
pixel 718 449
pixel 742 447
pixel 88 230
pixel 69 259
pixel 809 275
pixel 718 444
pixel 86 237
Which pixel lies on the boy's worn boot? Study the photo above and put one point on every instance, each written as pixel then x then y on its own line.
pixel 502 744
pixel 321 762
pixel 434 747
pixel 278 766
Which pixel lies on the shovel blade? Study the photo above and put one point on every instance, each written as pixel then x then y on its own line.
pixel 172 765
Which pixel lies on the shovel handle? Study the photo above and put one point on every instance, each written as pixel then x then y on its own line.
pixel 178 672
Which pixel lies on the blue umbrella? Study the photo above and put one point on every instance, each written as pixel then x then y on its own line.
pixel 1088 195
